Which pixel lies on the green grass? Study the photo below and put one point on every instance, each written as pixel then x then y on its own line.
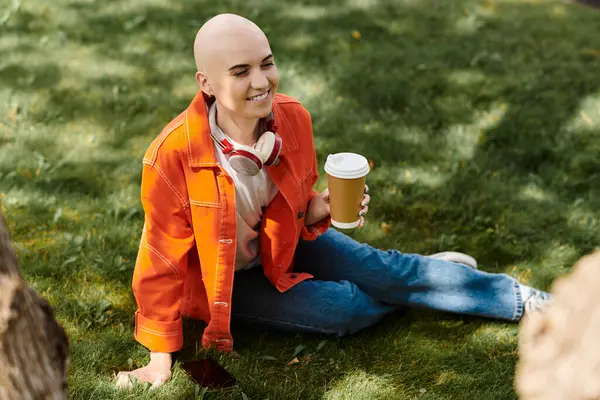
pixel 481 117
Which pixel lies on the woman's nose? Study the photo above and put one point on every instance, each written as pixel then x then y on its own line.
pixel 259 80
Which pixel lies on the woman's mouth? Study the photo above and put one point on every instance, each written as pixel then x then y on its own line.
pixel 260 97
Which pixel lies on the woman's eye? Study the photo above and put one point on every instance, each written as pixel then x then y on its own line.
pixel 241 73
pixel 269 64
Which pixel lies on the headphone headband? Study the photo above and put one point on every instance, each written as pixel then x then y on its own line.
pixel 249 160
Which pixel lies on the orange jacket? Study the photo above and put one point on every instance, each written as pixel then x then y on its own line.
pixel 186 258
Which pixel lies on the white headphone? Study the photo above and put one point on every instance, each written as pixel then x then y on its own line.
pixel 248 160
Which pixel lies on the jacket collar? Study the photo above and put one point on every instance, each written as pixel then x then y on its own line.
pixel 201 151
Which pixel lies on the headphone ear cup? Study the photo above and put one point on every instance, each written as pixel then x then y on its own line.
pixel 244 165
pixel 269 146
pixel 246 160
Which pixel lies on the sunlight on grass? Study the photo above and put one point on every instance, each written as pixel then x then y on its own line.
pixel 78 63
pixel 89 64
pixel 125 197
pixel 22 198
pixel 462 139
pixel 532 191
pixel 535 2
pixel 469 23
pixel 360 385
pixel 583 218
pixel 302 41
pixel 83 141
pixel 559 255
pixel 494 335
pixel 466 77
pixel 587 116
pixel 92 302
pixel 136 6
pixel 398 27
pixel 555 260
pixel 309 87
pixel 558 11
pixel 306 12
pixel 185 87
pixel 492 116
pixel 446 377
pixel 428 176
pixel 475 17
pixel 362 4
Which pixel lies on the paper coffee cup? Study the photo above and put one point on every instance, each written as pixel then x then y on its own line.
pixel 346 177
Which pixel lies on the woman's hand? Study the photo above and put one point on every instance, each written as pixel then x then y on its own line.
pixel 319 208
pixel 365 207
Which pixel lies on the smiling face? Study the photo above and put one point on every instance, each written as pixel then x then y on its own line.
pixel 236 66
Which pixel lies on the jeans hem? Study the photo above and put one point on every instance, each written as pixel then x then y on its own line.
pixel 518 301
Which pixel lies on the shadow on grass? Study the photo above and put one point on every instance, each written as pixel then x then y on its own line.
pixel 481 120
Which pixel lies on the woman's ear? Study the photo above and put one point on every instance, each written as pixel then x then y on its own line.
pixel 202 80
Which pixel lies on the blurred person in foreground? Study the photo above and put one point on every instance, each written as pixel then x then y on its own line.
pixel 559 349
pixel 235 232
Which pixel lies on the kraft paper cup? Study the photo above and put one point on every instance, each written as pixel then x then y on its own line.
pixel 346 178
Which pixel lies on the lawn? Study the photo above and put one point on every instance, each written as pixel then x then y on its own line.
pixel 482 119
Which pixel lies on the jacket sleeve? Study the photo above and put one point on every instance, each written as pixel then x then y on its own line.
pixel 161 265
pixel 315 230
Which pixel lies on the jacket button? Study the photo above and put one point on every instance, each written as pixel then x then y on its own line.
pixel 300 214
pixel 293 276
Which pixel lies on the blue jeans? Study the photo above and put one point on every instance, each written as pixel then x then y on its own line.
pixel 355 285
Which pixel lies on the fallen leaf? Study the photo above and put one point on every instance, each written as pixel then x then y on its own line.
pixel 269 358
pixel 356 35
pixel 592 52
pixel 371 164
pixel 423 391
pixel 586 118
pixel 12 115
pixel 387 228
pixel 294 361
pixel 320 345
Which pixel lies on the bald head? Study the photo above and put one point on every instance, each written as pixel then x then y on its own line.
pixel 222 34
pixel 235 66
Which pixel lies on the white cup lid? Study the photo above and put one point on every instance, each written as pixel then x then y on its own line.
pixel 347 165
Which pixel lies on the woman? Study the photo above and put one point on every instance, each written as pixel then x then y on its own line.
pixel 234 230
